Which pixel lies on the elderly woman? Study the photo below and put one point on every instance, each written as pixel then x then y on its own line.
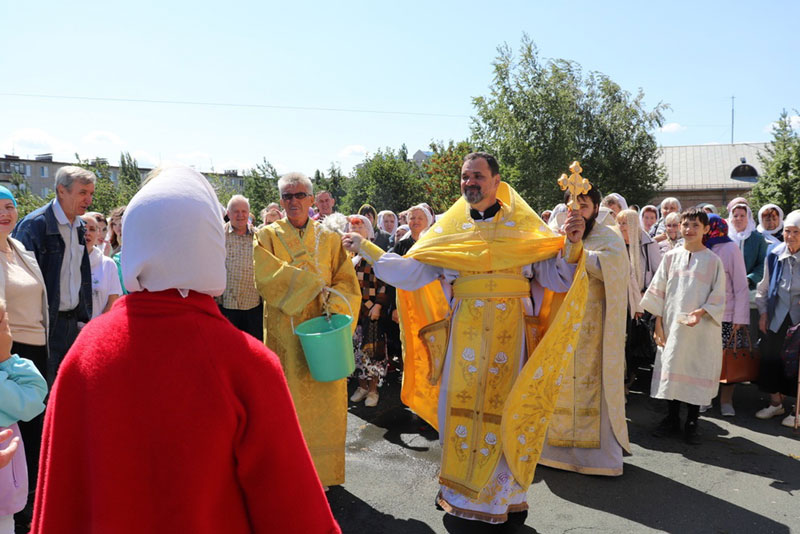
pixel 369 340
pixel 615 202
pixel 201 411
pixel 672 233
pixel 749 240
pixel 737 298
pixel 381 238
pixel 387 222
pixel 778 301
pixel 770 223
pixel 419 220
pixel 668 205
pixel 22 287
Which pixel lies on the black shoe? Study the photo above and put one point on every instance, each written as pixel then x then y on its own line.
pixel 690 433
pixel 667 427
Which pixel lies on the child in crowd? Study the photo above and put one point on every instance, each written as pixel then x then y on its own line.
pixel 687 298
pixel 22 393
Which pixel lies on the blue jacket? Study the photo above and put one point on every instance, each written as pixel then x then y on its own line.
pixel 38 231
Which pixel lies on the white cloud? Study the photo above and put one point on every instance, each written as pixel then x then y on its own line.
pixel 27 142
pixel 144 159
pixel 100 137
pixel 352 151
pixel 197 159
pixel 794 120
pixel 672 127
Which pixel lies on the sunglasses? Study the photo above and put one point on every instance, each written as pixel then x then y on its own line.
pixel 289 196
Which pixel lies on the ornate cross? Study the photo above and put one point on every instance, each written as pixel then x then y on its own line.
pixel 577 184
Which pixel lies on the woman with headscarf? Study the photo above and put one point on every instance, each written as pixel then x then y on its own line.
pixel 742 230
pixel 709 208
pixel 778 301
pixel 381 238
pixel 737 297
pixel 770 223
pixel 165 417
pixel 387 222
pixel 369 339
pixel 644 256
pixel 615 202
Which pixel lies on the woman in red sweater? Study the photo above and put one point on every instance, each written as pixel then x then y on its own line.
pixel 164 417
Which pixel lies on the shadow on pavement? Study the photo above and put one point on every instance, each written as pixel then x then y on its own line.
pixel 356 516
pixel 657 502
pixel 392 415
pixel 455 525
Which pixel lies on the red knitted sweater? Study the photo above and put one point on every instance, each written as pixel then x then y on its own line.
pixel 166 418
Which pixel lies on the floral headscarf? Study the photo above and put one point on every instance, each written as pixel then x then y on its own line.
pixel 718 231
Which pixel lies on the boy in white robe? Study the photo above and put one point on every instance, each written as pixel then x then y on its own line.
pixel 687 298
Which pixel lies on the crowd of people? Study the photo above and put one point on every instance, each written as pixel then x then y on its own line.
pixel 196 381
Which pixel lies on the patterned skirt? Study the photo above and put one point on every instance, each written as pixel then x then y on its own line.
pixel 369 344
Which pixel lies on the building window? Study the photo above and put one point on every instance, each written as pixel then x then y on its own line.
pixel 28 171
pixel 45 191
pixel 43 171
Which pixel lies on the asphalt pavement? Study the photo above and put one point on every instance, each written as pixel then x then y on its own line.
pixel 743 477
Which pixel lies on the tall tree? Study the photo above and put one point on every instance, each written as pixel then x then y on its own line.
pixel 540 116
pixel 336 183
pixel 261 186
pixel 386 181
pixel 130 178
pixel 443 187
pixel 780 182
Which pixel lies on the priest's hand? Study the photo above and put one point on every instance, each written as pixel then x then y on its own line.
pixel 574 226
pixel 7 453
pixel 352 242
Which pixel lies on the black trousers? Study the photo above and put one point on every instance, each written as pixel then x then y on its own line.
pixel 250 321
pixel 62 335
pixel 771 376
pixel 31 430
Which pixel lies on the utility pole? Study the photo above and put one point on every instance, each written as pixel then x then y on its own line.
pixel 732 99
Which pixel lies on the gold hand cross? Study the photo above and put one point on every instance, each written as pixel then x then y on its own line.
pixel 577 184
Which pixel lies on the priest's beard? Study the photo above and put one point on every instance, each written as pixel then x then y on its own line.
pixel 589 224
pixel 473 195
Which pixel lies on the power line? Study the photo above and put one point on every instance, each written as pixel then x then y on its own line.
pixel 233 105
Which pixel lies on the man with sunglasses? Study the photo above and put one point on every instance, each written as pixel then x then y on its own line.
pixel 296 260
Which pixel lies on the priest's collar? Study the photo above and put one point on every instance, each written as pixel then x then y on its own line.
pixel 490 212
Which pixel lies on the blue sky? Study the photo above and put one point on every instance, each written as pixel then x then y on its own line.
pixel 428 58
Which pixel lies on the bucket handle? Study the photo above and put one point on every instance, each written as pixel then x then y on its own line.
pixel 335 292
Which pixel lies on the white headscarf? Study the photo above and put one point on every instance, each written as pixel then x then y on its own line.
pixel 770 235
pixel 740 237
pixel 620 200
pixel 367 225
pixel 793 219
pixel 383 215
pixel 652 208
pixel 184 251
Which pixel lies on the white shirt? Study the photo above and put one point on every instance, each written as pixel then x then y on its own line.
pixel 70 280
pixel 105 280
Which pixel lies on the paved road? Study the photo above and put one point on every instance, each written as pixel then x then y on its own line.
pixel 744 477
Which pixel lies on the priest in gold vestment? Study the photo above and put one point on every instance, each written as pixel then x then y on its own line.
pixel 588 432
pixel 487 330
pixel 295 259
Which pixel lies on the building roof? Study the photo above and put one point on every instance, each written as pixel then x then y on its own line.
pixel 710 166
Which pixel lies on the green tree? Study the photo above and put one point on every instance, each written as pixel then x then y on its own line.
pixel 106 195
pixel 222 186
pixel 386 181
pixel 442 187
pixel 335 183
pixel 780 182
pixel 26 200
pixel 261 186
pixel 129 179
pixel 541 116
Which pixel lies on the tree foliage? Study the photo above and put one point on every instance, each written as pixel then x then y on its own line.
pixel 385 180
pixel 335 182
pixel 780 181
pixel 442 188
pixel 261 186
pixel 26 200
pixel 106 194
pixel 541 116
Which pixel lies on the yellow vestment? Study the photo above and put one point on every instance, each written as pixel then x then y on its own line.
pixel 597 371
pixel 290 270
pixel 491 409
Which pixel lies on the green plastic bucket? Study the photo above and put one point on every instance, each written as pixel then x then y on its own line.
pixel 328 345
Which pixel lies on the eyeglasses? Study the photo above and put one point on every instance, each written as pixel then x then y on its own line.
pixel 299 196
